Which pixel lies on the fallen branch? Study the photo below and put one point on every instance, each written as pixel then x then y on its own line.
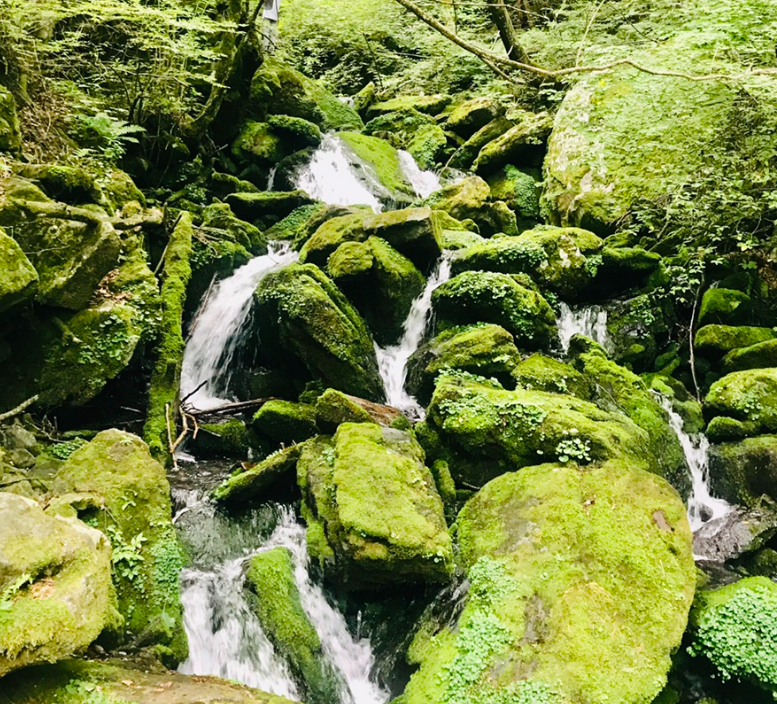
pixel 21 408
pixel 226 408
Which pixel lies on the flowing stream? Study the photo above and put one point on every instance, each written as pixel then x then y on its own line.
pixel 226 638
pixel 590 321
pixel 216 334
pixel 703 507
pixel 392 361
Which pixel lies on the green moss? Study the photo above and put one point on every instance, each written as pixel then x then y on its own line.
pixel 19 278
pixel 741 471
pixel 271 577
pixel 521 144
pixel 246 485
pixel 762 354
pixel 459 239
pixel 302 312
pixel 334 407
pixel 519 190
pixel 415 232
pixel 722 305
pixel 296 227
pixel 571 574
pixel 472 115
pixel 56 594
pixel 465 156
pixel 299 132
pixel 548 374
pixel 430 104
pixel 377 505
pixel 166 374
pixel 748 396
pixel 133 509
pixel 735 628
pixel 383 161
pixel 480 296
pixel 10 131
pixel 330 235
pixel 412 131
pixel 717 340
pixel 284 422
pixel 229 438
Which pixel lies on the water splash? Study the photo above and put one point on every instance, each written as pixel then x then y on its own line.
pixel 590 321
pixel 207 368
pixel 702 506
pixel 392 361
pixel 424 183
pixel 226 638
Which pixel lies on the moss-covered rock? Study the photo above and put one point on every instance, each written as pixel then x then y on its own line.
pixel 56 594
pixel 302 312
pixel 18 278
pixel 248 484
pixel 520 191
pixel 130 503
pixel 295 132
pixel 464 157
pixel 742 472
pixel 747 396
pixel 277 89
pixel 408 129
pixel 429 104
pixel 69 184
pixel 91 682
pixel 270 577
pixel 483 296
pixel 266 206
pixel 483 431
pixel 10 130
pixel 330 235
pixel 572 572
pixel 415 232
pixel 487 350
pixel 543 373
pixel 380 282
pixel 715 341
pixel 284 422
pixel 523 145
pixel 473 115
pixel 724 306
pixel 759 355
pixel 334 408
pixel 229 438
pixel 562 259
pixel 258 143
pixel 374 515
pixel 733 628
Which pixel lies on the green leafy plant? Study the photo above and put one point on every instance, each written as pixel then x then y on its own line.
pixel 109 136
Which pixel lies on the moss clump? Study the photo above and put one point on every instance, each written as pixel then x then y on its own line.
pixel 573 571
pixel 429 104
pixel 132 507
pixel 717 340
pixel 735 628
pixel 229 438
pixel 166 375
pixel 382 162
pixel 330 235
pixel 378 517
pixel 334 408
pixel 408 129
pixel 522 144
pixel 724 306
pixel 742 472
pixel 472 115
pixel 487 350
pixel 547 374
pixel 300 133
pixel 519 190
pixel 245 485
pixel 271 577
pixel 18 278
pixel 302 312
pixel 465 155
pixel 297 227
pixel 56 594
pixel 762 354
pixel 284 422
pixel 10 130
pixel 415 232
pixel 746 396
pixel 484 296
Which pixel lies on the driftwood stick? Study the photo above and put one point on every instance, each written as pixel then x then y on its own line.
pixel 19 409
pixel 226 408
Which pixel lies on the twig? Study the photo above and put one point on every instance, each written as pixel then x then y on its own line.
pixel 189 395
pixel 240 405
pixel 690 342
pixel 19 409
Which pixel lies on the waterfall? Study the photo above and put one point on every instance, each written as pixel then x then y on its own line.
pixel 702 506
pixel 215 336
pixel 392 361
pixel 226 638
pixel 590 321
pixel 424 183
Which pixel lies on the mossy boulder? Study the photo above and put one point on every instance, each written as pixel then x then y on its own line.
pixel 380 282
pixel 129 500
pixel 229 438
pixel 483 349
pixel 733 628
pixel 484 296
pixel 742 472
pixel 92 682
pixel 18 278
pixel 69 184
pixel 564 260
pixel 248 484
pixel 259 144
pixel 415 232
pixel 429 104
pixel 470 199
pixel 56 594
pixel 267 206
pixel 473 115
pixel 278 89
pixel 724 306
pixel 715 341
pixel 295 132
pixel 270 577
pixel 284 422
pixel 464 157
pixel 483 430
pixel 413 131
pixel 520 191
pixel 759 355
pixel 542 373
pixel 334 408
pixel 522 145
pixel 748 397
pixel 302 312
pixel 10 130
pixel 374 515
pixel 572 573
pixel 330 234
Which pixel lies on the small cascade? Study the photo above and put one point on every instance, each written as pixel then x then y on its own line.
pixel 226 638
pixel 590 321
pixel 702 506
pixel 330 177
pixel 392 361
pixel 424 183
pixel 271 178
pixel 215 336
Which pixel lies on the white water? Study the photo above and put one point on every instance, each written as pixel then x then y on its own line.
pixel 392 361
pixel 590 321
pixel 702 506
pixel 424 183
pixel 226 638
pixel 216 334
